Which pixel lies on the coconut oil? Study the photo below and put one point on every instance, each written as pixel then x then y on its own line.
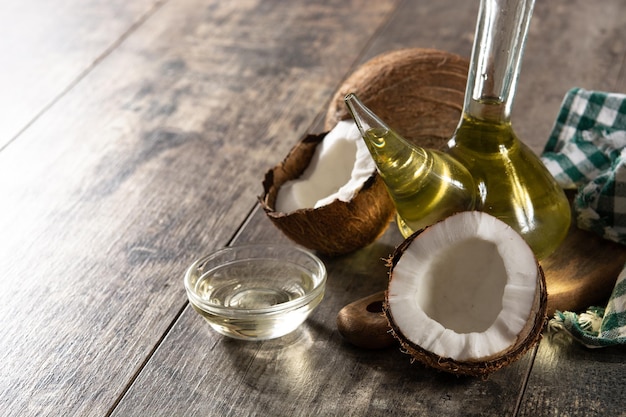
pixel 242 285
pixel 425 185
pixel 256 292
pixel 250 300
pixel 512 182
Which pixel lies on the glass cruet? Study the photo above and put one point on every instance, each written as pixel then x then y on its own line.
pixel 425 185
pixel 512 182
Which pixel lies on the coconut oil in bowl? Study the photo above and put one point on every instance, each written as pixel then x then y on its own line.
pixel 256 292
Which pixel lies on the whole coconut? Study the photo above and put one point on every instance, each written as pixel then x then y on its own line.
pixel 418 92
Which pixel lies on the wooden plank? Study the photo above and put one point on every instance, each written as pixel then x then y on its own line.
pixel 420 24
pixel 123 156
pixel 45 47
pixel 312 372
pixel 571 380
pixel 154 156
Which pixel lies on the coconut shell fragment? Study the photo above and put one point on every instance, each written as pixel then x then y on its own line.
pixel 334 229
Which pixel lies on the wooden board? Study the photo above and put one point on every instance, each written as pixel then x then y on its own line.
pixel 582 271
pixel 580 274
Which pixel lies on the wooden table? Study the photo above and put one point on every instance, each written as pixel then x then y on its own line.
pixel 134 136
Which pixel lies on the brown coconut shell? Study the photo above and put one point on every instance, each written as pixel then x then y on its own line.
pixel 418 92
pixel 527 338
pixel 337 228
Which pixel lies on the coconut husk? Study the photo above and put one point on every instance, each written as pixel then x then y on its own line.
pixel 337 228
pixel 527 338
pixel 418 92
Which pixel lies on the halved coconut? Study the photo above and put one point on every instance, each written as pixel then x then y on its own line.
pixel 466 295
pixel 326 195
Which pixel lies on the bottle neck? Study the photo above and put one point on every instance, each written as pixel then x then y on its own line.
pixel 496 57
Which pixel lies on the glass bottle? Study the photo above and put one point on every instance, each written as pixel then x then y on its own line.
pixel 425 185
pixel 512 182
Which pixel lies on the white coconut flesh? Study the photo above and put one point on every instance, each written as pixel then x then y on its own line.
pixel 464 289
pixel 339 168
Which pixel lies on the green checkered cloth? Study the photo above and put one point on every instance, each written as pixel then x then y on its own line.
pixel 587 151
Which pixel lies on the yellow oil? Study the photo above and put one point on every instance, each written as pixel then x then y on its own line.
pixel 425 185
pixel 512 182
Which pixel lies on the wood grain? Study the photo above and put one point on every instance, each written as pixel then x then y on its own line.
pixel 571 380
pixel 152 159
pixel 267 384
pixel 46 47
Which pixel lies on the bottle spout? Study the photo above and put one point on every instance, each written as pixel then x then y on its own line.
pixel 383 143
pixel 364 117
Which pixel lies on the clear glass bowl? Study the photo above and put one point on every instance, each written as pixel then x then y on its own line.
pixel 256 292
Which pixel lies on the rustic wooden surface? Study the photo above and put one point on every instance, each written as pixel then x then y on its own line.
pixel 133 138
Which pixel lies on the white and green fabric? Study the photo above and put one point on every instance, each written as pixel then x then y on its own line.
pixel 587 151
pixel 598 326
